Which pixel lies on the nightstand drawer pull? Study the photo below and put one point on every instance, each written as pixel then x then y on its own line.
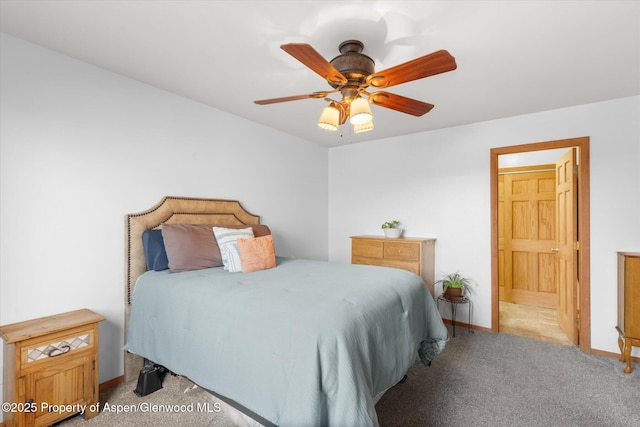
pixel 60 351
pixel 58 348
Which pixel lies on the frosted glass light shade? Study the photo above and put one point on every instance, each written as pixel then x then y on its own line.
pixel 329 119
pixel 364 127
pixel 360 112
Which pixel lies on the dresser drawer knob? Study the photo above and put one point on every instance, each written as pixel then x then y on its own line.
pixel 59 351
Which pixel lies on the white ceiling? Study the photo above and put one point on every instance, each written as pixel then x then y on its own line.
pixel 513 58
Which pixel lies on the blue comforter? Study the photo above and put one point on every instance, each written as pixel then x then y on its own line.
pixel 308 343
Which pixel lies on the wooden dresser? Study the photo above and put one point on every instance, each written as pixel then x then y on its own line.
pixel 50 368
pixel 414 254
pixel 628 305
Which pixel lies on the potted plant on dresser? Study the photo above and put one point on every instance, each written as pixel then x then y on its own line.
pixel 454 285
pixel 391 229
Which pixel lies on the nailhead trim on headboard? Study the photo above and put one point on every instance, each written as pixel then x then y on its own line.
pixel 195 210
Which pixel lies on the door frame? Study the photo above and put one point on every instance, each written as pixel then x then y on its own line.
pixel 584 270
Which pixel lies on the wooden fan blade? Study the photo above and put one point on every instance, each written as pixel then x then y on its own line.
pixel 400 103
pixel 312 59
pixel 291 98
pixel 425 66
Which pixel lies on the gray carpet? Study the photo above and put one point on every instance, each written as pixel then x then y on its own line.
pixel 184 405
pixel 485 379
pixel 480 379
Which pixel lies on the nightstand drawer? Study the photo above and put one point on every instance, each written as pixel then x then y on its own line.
pixel 402 251
pixel 56 346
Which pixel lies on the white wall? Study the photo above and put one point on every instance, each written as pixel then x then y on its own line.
pixel 81 147
pixel 437 184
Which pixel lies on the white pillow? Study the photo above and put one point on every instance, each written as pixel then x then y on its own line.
pixel 227 242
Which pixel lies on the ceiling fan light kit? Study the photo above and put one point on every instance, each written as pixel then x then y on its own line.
pixel 351 73
pixel 330 118
pixel 364 127
pixel 360 112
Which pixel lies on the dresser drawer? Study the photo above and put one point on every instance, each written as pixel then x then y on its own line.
pixel 59 346
pixel 413 267
pixel 404 251
pixel 367 248
pixel 413 254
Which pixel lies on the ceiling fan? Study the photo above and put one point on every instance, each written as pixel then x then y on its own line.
pixel 352 74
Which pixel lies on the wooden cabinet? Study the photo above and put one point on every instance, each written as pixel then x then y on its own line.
pixel 412 254
pixel 50 368
pixel 628 305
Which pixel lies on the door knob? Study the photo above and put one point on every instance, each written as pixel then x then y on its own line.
pixel 554 250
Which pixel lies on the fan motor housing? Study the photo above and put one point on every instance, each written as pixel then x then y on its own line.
pixel 353 64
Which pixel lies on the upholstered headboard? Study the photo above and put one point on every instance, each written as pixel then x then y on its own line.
pixel 175 210
pixel 170 210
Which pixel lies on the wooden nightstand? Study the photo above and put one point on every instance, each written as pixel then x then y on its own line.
pixel 414 254
pixel 50 368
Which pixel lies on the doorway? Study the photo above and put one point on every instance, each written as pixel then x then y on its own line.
pixel 580 293
pixel 528 262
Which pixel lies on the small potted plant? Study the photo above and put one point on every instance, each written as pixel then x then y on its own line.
pixel 455 286
pixel 390 229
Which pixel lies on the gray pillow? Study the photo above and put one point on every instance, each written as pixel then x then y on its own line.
pixel 194 247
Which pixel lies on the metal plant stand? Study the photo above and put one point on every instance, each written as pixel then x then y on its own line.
pixel 453 302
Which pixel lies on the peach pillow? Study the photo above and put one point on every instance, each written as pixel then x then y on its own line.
pixel 256 254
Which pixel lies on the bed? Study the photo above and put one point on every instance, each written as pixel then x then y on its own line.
pixel 299 343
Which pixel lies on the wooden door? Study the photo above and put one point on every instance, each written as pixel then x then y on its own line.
pixel 567 243
pixel 527 234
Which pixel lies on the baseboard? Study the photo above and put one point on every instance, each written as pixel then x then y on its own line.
pixel 613 355
pixel 108 385
pixel 466 325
